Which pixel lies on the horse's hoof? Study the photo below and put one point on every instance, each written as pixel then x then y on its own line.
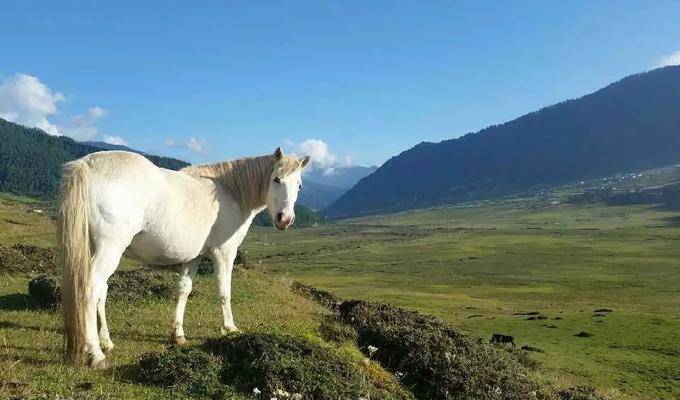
pixel 226 330
pixel 99 365
pixel 179 340
pixel 106 345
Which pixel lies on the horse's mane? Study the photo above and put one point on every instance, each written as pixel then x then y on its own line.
pixel 246 179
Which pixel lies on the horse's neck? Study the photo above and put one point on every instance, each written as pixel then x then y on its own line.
pixel 233 221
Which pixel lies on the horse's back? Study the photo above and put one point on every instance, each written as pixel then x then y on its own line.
pixel 163 216
pixel 114 162
pixel 121 187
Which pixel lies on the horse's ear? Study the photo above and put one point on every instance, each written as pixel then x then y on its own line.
pixel 304 162
pixel 278 153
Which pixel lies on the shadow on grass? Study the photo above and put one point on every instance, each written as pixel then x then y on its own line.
pixel 16 302
pixel 26 360
pixel 672 221
pixel 14 325
pixel 127 373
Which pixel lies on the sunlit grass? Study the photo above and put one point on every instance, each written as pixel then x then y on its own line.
pixel 477 265
pixel 30 340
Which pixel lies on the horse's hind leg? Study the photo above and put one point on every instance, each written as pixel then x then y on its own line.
pixel 104 263
pixel 187 275
pixel 104 338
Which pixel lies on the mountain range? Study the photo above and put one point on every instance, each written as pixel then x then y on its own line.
pixel 339 176
pixel 323 186
pixel 631 124
pixel 30 162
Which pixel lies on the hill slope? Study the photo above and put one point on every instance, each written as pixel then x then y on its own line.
pixel 318 196
pixel 30 159
pixel 341 177
pixel 631 124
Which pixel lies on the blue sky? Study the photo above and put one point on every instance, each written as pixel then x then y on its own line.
pixel 206 81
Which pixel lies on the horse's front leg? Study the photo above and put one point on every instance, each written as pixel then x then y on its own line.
pixel 186 279
pixel 223 259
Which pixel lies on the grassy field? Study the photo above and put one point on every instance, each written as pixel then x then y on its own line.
pixel 31 340
pixel 476 266
pixel 480 265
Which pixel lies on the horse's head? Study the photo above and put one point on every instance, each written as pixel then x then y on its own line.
pixel 284 186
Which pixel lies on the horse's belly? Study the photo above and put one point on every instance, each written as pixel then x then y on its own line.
pixel 153 250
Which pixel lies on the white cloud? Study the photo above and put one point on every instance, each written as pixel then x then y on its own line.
pixel 669 59
pixel 117 140
pixel 27 101
pixel 84 126
pixel 322 157
pixel 196 145
pixel 97 112
pixel 319 152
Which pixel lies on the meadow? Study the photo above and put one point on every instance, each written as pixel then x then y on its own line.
pixel 488 266
pixel 534 268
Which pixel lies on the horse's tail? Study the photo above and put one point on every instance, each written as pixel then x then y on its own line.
pixel 73 242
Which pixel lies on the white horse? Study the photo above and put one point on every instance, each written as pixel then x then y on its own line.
pixel 116 203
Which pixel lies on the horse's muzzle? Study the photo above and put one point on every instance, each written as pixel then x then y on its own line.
pixel 283 222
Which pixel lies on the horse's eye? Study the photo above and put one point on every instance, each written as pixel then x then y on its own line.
pixel 300 187
pixel 277 180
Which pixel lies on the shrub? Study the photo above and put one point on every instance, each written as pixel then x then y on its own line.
pixel 275 363
pixel 45 291
pixel 322 297
pixel 437 361
pixel 334 330
pixel 206 267
pixel 182 369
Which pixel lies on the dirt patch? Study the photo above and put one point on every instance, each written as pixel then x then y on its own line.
pixel 528 347
pixel 280 364
pixel 141 284
pixel 438 362
pixel 536 318
pixel 322 297
pixel 579 393
pixel 27 259
pixel 527 313
pixel 134 285
pixel 584 334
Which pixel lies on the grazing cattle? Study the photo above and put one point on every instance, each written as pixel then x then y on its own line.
pixel 499 338
pixel 114 203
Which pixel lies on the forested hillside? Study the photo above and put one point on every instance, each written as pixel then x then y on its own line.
pixel 629 125
pixel 30 159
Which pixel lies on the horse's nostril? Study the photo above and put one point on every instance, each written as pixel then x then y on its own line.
pixel 279 217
